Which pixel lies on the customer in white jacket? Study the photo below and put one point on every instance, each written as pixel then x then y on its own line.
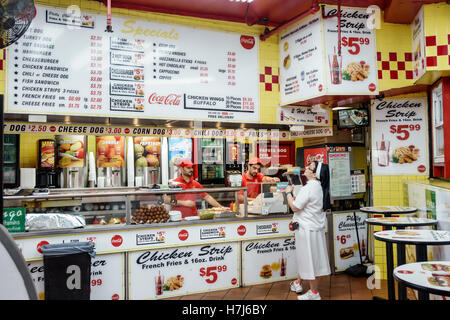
pixel 310 242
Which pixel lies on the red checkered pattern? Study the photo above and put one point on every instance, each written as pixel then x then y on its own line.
pixel 270 77
pixel 437 50
pixel 395 65
pixel 2 59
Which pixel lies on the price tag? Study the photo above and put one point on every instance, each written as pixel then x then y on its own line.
pixel 211 274
pixel 402 132
pixel 354 44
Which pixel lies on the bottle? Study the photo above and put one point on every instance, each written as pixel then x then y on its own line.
pixel 335 70
pixel 159 286
pixel 363 248
pixel 283 267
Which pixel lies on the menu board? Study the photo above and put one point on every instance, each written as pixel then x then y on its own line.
pixel 340 178
pixel 310 63
pixel 143 69
pixel 418 45
pixel 355 71
pixel 301 65
pixel 346 250
pixel 400 137
pixel 304 116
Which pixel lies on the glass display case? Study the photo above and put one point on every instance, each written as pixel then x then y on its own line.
pixel 88 208
pixel 11 160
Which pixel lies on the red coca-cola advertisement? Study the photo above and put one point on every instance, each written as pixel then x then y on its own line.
pixel 168 100
pixel 315 154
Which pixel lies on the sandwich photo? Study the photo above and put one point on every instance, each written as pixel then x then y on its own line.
pixel 346 253
pixel 266 272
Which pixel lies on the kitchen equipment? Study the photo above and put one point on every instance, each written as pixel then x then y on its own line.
pixel 27 178
pixel 151 176
pixel 72 170
pixel 46 172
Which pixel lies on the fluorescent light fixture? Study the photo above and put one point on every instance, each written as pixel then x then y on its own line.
pixel 242 1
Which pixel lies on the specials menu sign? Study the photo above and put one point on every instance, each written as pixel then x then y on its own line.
pixel 400 137
pixel 311 64
pixel 66 64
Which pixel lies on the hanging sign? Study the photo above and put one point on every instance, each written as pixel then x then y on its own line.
pixel 418 45
pixel 400 137
pixel 310 64
pixel 143 69
pixel 304 116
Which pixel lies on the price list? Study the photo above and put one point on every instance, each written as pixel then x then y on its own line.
pixel 96 73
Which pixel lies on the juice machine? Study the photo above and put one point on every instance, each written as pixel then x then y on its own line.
pixel 71 161
pixel 147 155
pixel 46 170
pixel 110 161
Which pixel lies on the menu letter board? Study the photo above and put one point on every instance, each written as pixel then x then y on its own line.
pixel 144 69
pixel 400 137
pixel 340 178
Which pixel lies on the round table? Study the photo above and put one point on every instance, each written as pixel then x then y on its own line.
pixel 428 277
pixel 399 223
pixel 419 238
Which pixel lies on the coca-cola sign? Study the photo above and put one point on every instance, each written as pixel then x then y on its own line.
pixel 248 42
pixel 316 154
pixel 117 240
pixel 168 100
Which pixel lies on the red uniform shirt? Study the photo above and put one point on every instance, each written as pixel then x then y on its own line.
pixel 193 184
pixel 253 187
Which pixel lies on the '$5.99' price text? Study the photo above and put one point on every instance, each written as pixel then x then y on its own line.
pixel 354 43
pixel 402 130
pixel 211 273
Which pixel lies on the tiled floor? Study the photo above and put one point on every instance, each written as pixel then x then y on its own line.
pixel 334 287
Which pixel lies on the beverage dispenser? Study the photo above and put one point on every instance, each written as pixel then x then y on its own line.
pixel 110 161
pixel 46 171
pixel 72 161
pixel 147 155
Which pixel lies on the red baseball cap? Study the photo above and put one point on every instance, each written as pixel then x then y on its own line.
pixel 186 163
pixel 255 160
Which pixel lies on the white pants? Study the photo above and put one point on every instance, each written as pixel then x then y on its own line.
pixel 312 254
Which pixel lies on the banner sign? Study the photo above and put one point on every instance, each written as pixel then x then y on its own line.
pixel 268 260
pixel 400 137
pixel 304 116
pixel 66 64
pixel 99 130
pixel 163 273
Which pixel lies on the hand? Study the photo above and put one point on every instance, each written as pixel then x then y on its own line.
pixel 288 189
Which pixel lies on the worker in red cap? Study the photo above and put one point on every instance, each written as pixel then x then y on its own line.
pixel 252 177
pixel 186 202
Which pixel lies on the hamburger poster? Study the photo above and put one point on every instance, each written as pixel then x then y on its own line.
pixel 346 253
pixel 268 260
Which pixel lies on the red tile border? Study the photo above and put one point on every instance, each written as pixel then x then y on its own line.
pixel 442 50
pixel 431 61
pixel 430 41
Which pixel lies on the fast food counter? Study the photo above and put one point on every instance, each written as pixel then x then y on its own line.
pixel 185 256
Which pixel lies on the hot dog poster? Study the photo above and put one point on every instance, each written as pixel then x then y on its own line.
pixel 400 136
pixel 346 253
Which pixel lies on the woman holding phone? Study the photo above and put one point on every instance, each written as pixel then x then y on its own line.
pixel 309 222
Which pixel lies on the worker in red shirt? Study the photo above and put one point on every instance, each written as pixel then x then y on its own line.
pixel 251 179
pixel 186 202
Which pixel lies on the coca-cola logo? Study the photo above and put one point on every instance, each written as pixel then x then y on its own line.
pixel 233 281
pixel 52 128
pixel 40 244
pixel 248 42
pixel 116 241
pixel 168 100
pixel 421 168
pixel 290 226
pixel 115 297
pixel 127 131
pixel 320 87
pixel 317 157
pixel 241 230
pixel 372 87
pixel 183 235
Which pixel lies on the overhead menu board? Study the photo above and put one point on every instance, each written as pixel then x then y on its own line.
pixel 310 64
pixel 143 69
